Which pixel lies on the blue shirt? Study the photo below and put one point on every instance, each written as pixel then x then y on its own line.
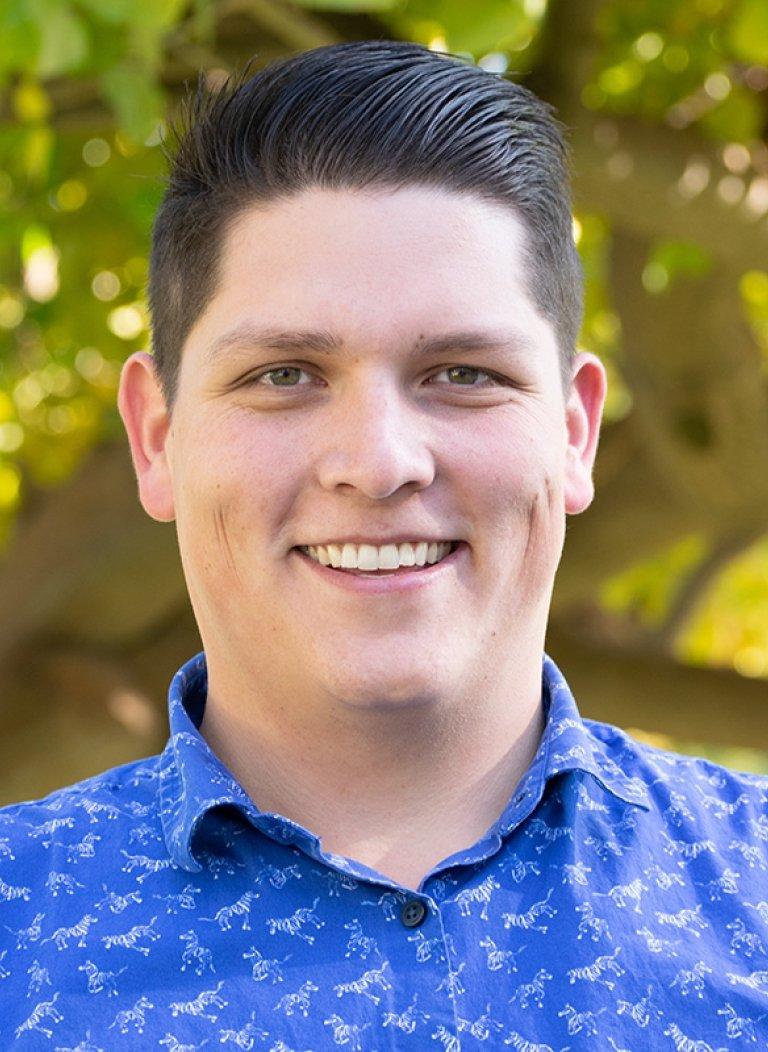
pixel 620 901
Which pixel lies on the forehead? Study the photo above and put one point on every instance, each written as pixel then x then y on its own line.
pixel 402 263
pixel 387 235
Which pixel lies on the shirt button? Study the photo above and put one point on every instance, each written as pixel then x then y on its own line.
pixel 414 912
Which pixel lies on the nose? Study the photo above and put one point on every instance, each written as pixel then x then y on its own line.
pixel 375 442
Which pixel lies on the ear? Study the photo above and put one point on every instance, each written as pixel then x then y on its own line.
pixel 147 423
pixel 583 411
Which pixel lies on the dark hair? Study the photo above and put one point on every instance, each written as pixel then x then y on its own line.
pixel 373 113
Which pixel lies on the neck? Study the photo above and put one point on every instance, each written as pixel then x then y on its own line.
pixel 396 789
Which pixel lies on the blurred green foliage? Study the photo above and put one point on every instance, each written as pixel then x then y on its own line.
pixel 78 202
pixel 78 196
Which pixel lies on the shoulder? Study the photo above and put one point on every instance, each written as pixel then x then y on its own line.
pixel 689 791
pixel 71 820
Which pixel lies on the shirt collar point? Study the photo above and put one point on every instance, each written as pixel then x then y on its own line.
pixel 572 745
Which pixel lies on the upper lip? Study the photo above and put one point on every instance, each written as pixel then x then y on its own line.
pixel 378 542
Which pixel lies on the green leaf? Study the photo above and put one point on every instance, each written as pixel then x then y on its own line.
pixel 748 31
pixel 492 25
pixel 349 5
pixel 34 238
pixel 37 153
pixel 19 38
pixel 157 13
pixel 138 102
pixel 682 257
pixel 149 22
pixel 116 12
pixel 30 101
pixel 739 118
pixel 64 41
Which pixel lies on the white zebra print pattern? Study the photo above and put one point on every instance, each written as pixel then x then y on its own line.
pixel 620 902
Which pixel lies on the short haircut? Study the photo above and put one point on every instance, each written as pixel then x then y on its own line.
pixel 372 113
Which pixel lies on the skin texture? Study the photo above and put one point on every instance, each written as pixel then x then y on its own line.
pixel 395 727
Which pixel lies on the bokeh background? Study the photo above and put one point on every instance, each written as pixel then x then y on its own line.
pixel 660 611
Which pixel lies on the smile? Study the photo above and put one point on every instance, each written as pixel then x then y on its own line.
pixel 380 559
pixel 402 578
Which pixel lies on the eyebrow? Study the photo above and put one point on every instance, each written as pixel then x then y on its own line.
pixel 246 336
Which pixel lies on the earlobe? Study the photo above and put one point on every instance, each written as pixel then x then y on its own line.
pixel 584 409
pixel 147 424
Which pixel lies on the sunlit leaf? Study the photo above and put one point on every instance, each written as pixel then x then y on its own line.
pixel 10 485
pixel 20 37
pixel 748 31
pixel 493 25
pixel 63 38
pixel 647 589
pixel 731 623
pixel 31 102
pixel 158 12
pixel 37 151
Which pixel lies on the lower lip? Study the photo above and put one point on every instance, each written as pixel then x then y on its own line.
pixel 396 582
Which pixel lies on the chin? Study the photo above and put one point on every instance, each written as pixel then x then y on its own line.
pixel 387 693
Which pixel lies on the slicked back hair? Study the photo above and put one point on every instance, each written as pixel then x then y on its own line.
pixel 370 114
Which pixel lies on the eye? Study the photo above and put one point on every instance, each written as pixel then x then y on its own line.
pixel 468 369
pixel 282 372
pixel 287 376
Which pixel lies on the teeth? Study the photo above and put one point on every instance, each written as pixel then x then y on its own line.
pixel 349 556
pixel 367 557
pixel 387 557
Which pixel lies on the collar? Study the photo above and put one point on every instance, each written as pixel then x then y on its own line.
pixel 571 744
pixel 193 781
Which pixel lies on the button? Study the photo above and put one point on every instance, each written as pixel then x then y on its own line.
pixel 414 912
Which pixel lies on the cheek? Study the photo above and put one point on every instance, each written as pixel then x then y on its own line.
pixel 544 523
pixel 526 512
pixel 222 527
pixel 218 462
pixel 522 491
pixel 521 478
pixel 237 488
pixel 531 532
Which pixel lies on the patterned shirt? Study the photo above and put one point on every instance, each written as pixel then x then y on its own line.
pixel 620 901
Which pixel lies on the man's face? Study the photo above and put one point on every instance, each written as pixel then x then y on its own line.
pixel 376 438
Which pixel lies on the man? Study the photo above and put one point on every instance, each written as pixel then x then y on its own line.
pixel 379 822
